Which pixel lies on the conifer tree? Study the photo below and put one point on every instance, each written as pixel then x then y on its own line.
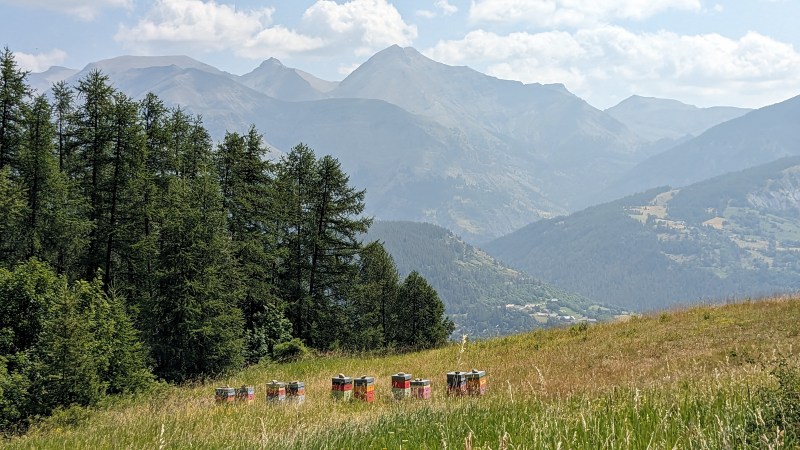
pixel 374 297
pixel 150 173
pixel 64 119
pixel 14 93
pixel 64 370
pixel 419 315
pixel 246 185
pixel 13 209
pixel 320 226
pixel 38 174
pixel 195 328
pixel 93 154
pixel 294 180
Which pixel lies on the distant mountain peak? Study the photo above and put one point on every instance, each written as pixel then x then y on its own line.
pixel 272 62
pixel 406 54
pixel 639 100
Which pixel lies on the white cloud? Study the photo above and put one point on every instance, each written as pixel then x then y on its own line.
pixel 368 25
pixel 41 61
pixel 575 13
pixel 82 9
pixel 446 8
pixel 359 26
pixel 604 62
pixel 425 13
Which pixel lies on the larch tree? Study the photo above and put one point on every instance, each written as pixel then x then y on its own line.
pixel 14 93
pixel 245 178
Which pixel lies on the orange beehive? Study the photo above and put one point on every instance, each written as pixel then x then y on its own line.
pixel 476 382
pixel 364 389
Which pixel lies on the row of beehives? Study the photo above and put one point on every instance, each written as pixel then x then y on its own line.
pixel 363 388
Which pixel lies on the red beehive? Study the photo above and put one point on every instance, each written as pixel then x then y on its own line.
pixel 401 385
pixel 342 387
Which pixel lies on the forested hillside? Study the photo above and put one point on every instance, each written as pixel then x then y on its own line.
pixel 482 296
pixel 736 235
pixel 132 246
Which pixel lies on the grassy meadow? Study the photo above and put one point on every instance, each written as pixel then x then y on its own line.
pixel 706 377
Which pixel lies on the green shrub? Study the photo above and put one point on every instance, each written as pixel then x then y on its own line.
pixel 291 351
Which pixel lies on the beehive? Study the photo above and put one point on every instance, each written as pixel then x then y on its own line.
pixel 342 387
pixel 296 391
pixel 456 383
pixel 401 385
pixel 246 394
pixel 365 389
pixel 276 391
pixel 476 382
pixel 421 389
pixel 224 394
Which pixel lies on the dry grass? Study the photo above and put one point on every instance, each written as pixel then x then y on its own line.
pixel 559 379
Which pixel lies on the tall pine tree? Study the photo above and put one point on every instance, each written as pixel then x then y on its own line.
pixel 420 322
pixel 319 232
pixel 195 327
pixel 246 182
pixel 14 93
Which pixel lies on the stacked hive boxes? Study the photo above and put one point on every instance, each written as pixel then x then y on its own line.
pixel 225 394
pixel 276 391
pixel 456 383
pixel 365 389
pixel 342 387
pixel 401 385
pixel 246 394
pixel 296 391
pixel 421 388
pixel 476 382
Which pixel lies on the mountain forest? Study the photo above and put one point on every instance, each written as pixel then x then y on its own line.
pixel 133 248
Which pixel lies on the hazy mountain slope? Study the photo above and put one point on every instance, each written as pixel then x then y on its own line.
pixel 656 118
pixel 758 137
pixel 278 81
pixel 571 147
pixel 412 168
pixel 43 81
pixel 734 235
pixel 482 296
pixel 317 83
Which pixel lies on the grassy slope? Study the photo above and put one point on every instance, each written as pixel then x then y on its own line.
pixel 678 379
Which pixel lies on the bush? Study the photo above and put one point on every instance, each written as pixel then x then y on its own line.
pixel 291 351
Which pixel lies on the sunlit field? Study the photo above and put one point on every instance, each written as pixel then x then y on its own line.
pixel 706 377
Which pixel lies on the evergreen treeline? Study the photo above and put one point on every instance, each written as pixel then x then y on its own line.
pixel 131 247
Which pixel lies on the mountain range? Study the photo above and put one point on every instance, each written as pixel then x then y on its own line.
pixel 429 142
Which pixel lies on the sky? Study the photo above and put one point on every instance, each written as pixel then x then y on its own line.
pixel 706 53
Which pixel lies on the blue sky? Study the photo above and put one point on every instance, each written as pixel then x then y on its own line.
pixel 724 52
